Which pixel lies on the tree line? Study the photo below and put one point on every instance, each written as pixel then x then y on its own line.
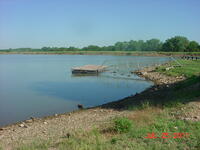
pixel 174 44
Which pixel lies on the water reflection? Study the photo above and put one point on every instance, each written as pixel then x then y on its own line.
pixel 91 91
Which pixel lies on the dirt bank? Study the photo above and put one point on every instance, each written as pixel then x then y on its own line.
pixel 157 94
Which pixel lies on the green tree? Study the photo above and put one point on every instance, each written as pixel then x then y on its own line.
pixel 45 48
pixel 71 48
pixel 177 43
pixel 110 48
pixel 91 48
pixel 136 45
pixel 119 46
pixel 193 46
pixel 153 45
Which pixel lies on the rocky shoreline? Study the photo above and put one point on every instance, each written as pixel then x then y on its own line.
pixel 149 73
pixel 162 83
pixel 55 126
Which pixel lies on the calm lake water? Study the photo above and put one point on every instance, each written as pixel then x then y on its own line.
pixel 42 85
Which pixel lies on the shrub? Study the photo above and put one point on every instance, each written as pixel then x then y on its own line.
pixel 113 140
pixel 122 125
pixel 145 104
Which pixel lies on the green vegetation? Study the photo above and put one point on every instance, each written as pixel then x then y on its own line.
pixel 37 144
pixel 122 125
pixel 151 128
pixel 174 44
pixel 188 68
pixel 188 89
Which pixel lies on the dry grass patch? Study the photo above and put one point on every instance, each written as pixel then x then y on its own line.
pixel 145 117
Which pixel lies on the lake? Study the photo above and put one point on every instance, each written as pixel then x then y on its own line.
pixel 42 85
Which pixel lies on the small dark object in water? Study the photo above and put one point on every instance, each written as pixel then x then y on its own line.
pixel 80 106
pixel 32 118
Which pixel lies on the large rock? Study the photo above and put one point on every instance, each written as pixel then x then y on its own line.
pixel 168 68
pixel 144 73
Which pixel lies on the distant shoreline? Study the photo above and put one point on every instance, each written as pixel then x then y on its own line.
pixel 118 53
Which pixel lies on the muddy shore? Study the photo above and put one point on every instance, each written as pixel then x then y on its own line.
pixel 161 87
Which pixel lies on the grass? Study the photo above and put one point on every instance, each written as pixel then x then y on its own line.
pixel 161 123
pixel 151 120
pixel 188 89
pixel 184 92
pixel 35 145
pixel 188 69
pixel 122 125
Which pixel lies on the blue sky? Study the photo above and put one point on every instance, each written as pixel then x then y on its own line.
pixel 38 23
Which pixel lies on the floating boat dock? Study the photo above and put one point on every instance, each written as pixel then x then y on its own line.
pixel 89 69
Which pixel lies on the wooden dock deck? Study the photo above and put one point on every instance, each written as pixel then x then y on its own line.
pixel 88 69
